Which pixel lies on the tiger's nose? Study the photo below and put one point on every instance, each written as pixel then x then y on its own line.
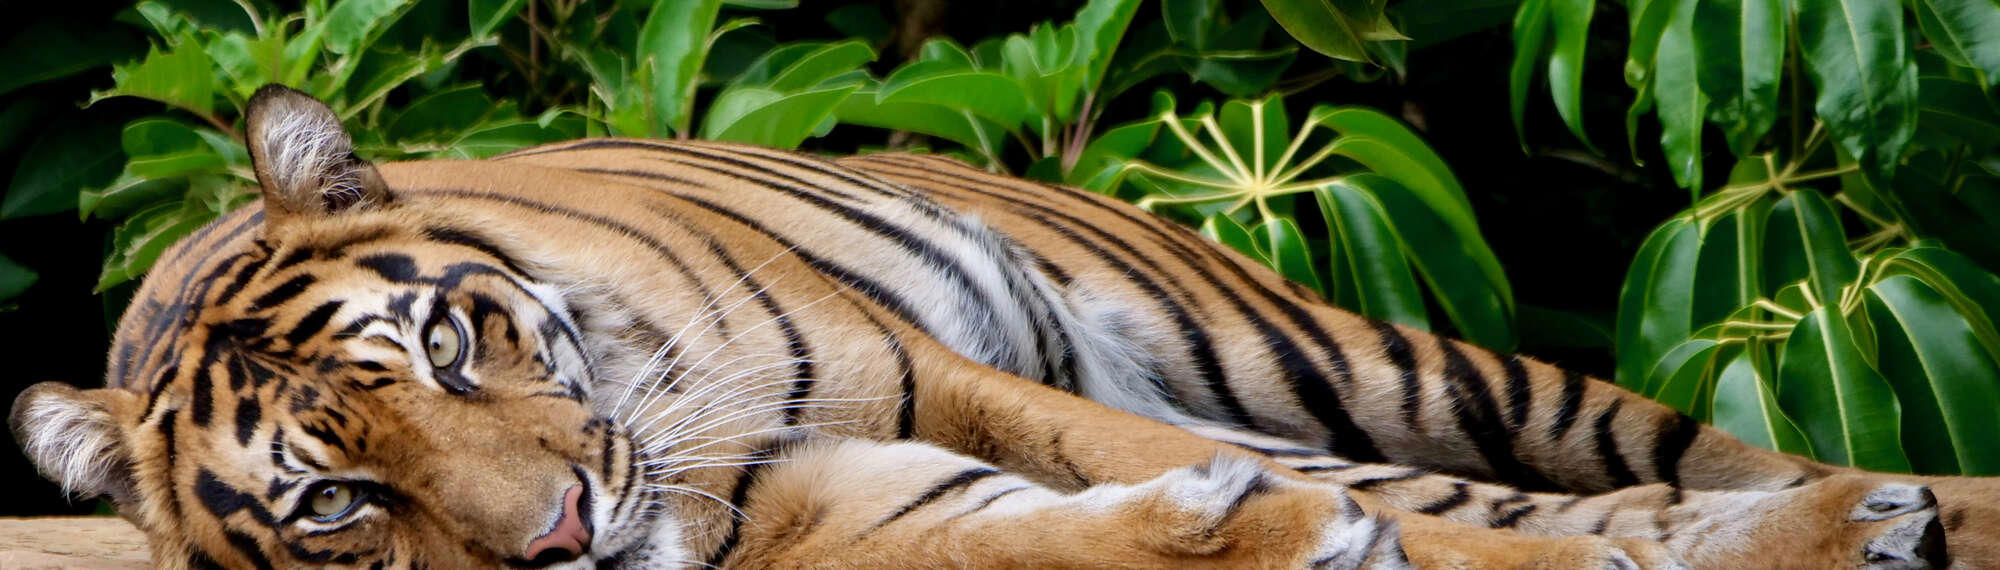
pixel 568 539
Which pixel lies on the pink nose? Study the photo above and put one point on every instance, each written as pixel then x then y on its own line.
pixel 568 540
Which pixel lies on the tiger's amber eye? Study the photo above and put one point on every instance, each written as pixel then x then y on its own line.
pixel 331 499
pixel 441 343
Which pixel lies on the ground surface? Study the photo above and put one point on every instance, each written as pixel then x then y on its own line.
pixel 90 543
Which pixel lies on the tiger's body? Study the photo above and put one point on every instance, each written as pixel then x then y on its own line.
pixel 648 354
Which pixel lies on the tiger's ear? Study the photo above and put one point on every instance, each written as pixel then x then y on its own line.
pixel 304 160
pixel 75 437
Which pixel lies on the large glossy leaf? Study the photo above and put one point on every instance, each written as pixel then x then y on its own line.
pixel 1746 407
pixel 1845 408
pixel 1831 264
pixel 1858 58
pixel 934 120
pixel 1190 22
pixel 1318 25
pixel 143 236
pixel 672 44
pixel 352 24
pixel 180 77
pixel 995 96
pixel 1966 31
pixel 1450 262
pixel 1571 22
pixel 1657 299
pixel 60 163
pixel 1678 97
pixel 769 118
pixel 1373 260
pixel 1681 378
pixel 1281 241
pixel 1229 232
pixel 1741 47
pixel 1531 31
pixel 1099 27
pixel 822 64
pixel 1947 381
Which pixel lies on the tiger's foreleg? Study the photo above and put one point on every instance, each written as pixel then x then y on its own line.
pixel 855 504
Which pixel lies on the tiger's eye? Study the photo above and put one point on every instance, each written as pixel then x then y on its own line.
pixel 441 343
pixel 332 499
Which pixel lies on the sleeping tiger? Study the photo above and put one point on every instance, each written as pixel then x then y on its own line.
pixel 648 354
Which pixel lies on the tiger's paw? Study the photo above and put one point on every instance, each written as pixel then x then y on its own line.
pixel 1868 523
pixel 1969 512
pixel 1234 512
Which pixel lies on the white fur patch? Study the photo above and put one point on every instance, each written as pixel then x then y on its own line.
pixel 74 442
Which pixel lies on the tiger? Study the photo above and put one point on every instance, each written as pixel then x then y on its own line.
pixel 632 353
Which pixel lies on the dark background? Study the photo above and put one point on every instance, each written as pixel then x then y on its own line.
pixel 1564 222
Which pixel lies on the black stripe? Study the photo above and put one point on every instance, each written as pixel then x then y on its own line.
pixel 283 292
pixel 1520 392
pixel 738 496
pixel 795 342
pixel 1459 495
pixel 1479 417
pixel 202 395
pixel 1676 435
pixel 989 501
pixel 240 279
pixel 1373 482
pixel 472 240
pixel 312 323
pixel 1572 402
pixel 906 414
pixel 963 479
pixel 876 291
pixel 248 547
pixel 248 413
pixel 1607 448
pixel 1397 348
pixel 1513 517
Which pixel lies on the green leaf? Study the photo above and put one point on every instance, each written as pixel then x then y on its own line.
pixel 1571 20
pixel 762 4
pixel 1190 22
pixel 1965 31
pixel 1099 27
pixel 1678 378
pixel 1677 93
pixel 59 164
pixel 1285 245
pixel 934 120
pixel 1226 230
pixel 1545 327
pixel 486 16
pixel 1867 84
pixel 1374 259
pixel 863 21
pixel 1388 148
pixel 181 78
pixel 769 118
pixel 352 24
pixel 137 242
pixel 55 48
pixel 14 279
pixel 1846 409
pixel 994 96
pixel 821 64
pixel 1319 26
pixel 1531 31
pixel 1746 407
pixel 1452 264
pixel 1741 47
pixel 440 114
pixel 1656 301
pixel 1947 381
pixel 1959 109
pixel 673 43
pixel 1830 262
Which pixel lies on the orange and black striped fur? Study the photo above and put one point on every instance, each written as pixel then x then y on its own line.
pixel 645 354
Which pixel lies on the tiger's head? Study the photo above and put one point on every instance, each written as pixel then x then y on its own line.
pixel 338 379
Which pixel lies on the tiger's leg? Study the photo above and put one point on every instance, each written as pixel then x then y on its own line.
pixel 856 504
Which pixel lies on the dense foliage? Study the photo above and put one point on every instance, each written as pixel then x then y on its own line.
pixel 1828 296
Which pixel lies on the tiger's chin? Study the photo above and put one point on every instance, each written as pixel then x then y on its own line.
pixel 644 544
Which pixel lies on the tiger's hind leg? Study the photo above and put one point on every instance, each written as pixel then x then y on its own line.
pixel 857 504
pixel 1842 521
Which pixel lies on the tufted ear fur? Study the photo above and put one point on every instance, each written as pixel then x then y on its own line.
pixel 303 158
pixel 75 437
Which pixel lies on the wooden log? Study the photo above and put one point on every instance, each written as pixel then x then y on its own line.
pixel 89 543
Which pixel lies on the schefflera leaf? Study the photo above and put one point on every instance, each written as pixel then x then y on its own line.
pixel 1935 348
pixel 1848 412
pixel 1746 407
